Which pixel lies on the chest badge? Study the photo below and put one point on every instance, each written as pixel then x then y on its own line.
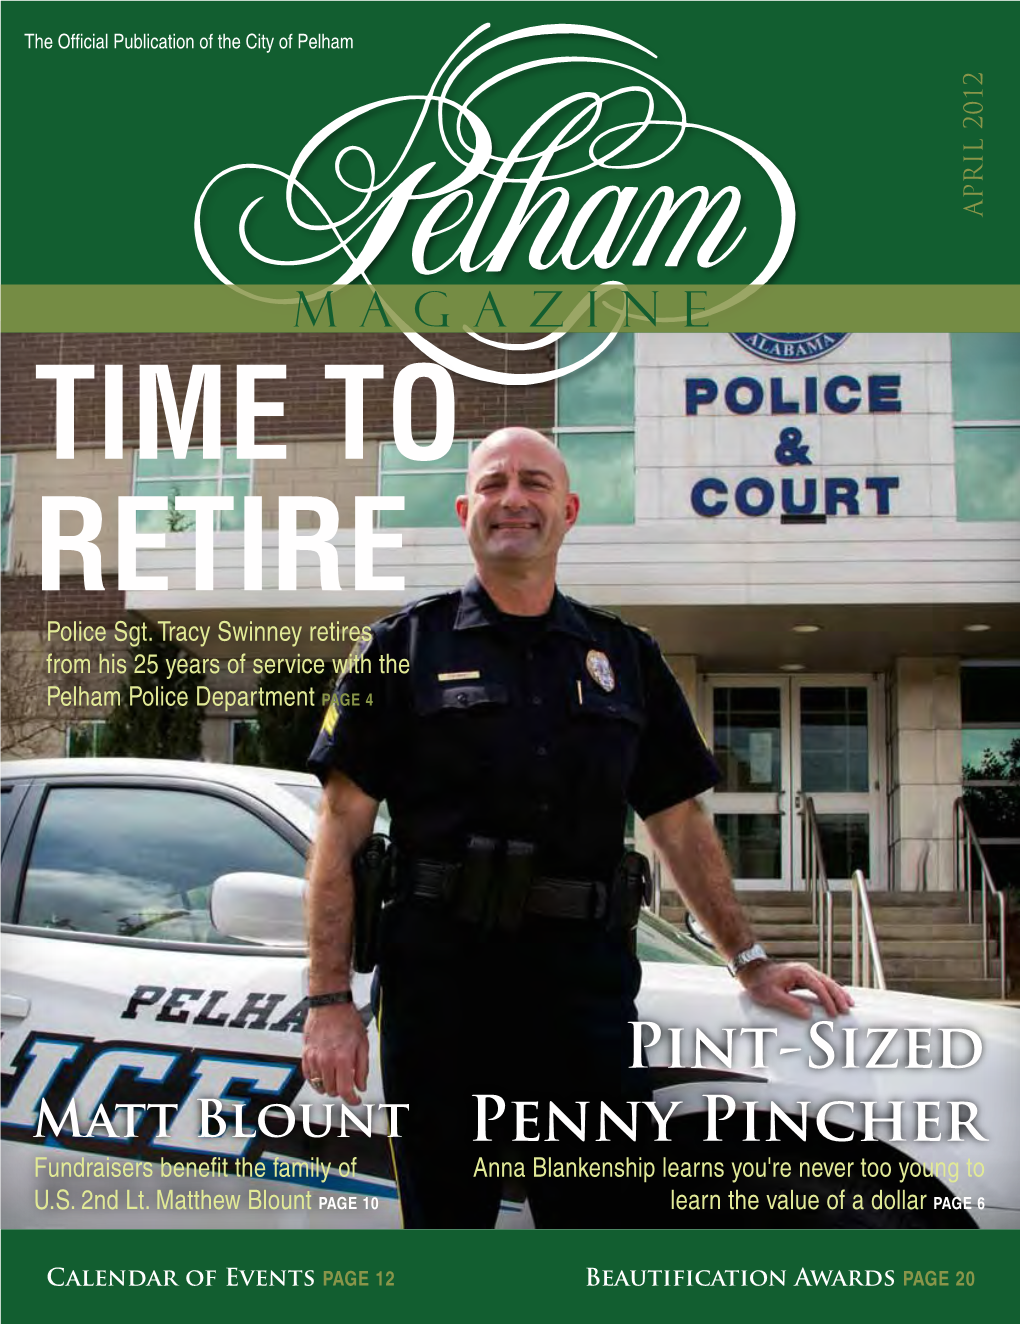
pixel 601 671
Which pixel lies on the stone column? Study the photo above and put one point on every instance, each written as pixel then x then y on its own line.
pixel 925 771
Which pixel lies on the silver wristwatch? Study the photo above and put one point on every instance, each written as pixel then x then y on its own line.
pixel 749 956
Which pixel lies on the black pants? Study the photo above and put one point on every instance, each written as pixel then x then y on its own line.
pixel 538 1017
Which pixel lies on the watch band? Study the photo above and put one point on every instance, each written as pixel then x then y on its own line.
pixel 329 999
pixel 749 956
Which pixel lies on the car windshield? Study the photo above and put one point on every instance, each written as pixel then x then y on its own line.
pixel 659 941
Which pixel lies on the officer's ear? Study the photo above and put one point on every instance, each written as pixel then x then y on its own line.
pixel 461 507
pixel 573 509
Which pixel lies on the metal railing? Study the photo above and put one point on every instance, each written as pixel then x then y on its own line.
pixel 866 970
pixel 967 849
pixel 816 881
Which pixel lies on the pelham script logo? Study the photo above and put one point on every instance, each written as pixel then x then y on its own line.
pixel 482 179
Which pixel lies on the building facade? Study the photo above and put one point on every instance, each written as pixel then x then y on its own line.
pixel 822 531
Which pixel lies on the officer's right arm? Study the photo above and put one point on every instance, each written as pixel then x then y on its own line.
pixel 336 1045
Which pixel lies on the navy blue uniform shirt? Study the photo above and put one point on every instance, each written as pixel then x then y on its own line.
pixel 543 729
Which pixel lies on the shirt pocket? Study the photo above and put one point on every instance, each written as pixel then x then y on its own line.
pixel 604 737
pixel 463 732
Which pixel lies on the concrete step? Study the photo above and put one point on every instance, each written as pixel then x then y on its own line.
pixel 841 897
pixel 946 935
pixel 884 914
pixel 907 966
pixel 945 987
pixel 927 945
pixel 947 984
pixel 940 933
pixel 935 967
pixel 924 933
pixel 791 948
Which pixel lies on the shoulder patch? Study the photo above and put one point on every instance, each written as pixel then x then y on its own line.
pixel 332 716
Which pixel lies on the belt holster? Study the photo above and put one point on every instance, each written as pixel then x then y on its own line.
pixel 632 885
pixel 372 869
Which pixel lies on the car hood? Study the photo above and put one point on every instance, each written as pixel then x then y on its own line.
pixel 824 1059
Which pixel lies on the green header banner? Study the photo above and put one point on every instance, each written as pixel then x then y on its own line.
pixel 689 146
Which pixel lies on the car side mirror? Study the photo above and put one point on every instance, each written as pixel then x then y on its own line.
pixel 264 908
pixel 697 930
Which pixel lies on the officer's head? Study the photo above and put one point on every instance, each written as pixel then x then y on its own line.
pixel 518 506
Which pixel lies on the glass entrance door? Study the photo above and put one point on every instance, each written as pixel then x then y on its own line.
pixel 779 740
pixel 749 722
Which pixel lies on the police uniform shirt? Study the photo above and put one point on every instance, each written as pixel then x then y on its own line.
pixel 468 721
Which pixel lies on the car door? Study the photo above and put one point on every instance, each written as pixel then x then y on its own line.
pixel 140 1045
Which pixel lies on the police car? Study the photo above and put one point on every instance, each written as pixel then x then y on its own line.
pixel 152 1000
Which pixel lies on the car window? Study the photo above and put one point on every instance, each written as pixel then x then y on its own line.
pixel 307 792
pixel 140 862
pixel 659 941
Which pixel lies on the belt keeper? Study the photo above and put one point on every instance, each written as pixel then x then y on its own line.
pixel 510 898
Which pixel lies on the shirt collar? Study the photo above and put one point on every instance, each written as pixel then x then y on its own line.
pixel 477 609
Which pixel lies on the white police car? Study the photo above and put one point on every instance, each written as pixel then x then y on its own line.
pixel 151 1059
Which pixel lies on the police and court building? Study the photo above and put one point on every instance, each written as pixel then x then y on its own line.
pixel 821 529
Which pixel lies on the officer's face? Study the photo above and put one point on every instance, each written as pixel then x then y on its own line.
pixel 518 507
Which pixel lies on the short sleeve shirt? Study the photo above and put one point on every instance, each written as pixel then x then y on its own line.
pixel 468 722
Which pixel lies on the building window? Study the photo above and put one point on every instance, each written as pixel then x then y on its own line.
pixel 594 430
pixel 986 412
pixel 87 740
pixel 193 476
pixel 6 508
pixel 990 709
pixel 429 490
pixel 595 427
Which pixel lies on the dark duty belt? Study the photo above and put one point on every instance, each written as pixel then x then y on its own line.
pixel 554 898
pixel 496 885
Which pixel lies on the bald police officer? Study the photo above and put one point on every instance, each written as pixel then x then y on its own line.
pixel 508 747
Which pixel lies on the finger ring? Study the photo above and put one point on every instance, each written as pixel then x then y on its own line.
pixel 316 1083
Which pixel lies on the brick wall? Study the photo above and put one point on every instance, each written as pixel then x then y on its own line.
pixel 26 607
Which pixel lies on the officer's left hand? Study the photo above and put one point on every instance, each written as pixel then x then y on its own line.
pixel 771 984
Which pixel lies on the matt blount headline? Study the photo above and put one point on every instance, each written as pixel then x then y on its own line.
pixel 951 1049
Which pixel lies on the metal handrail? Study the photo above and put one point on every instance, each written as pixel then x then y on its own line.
pixel 965 847
pixel 865 957
pixel 816 881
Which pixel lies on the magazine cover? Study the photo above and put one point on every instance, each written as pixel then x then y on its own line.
pixel 489 740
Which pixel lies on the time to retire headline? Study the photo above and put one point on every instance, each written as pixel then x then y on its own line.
pixel 155 390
